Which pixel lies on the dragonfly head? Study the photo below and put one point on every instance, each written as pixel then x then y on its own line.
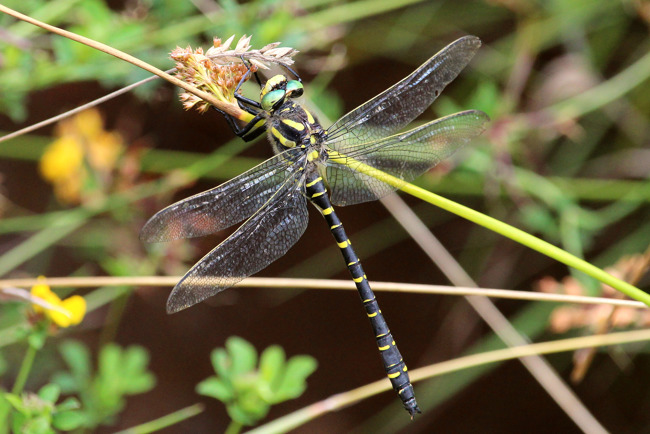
pixel 277 89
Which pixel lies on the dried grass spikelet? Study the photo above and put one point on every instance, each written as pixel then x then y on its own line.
pixel 219 70
pixel 599 317
pixel 271 53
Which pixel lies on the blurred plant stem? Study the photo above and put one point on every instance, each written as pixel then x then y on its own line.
pixel 25 368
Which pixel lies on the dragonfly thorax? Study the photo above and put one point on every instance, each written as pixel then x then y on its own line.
pixel 291 125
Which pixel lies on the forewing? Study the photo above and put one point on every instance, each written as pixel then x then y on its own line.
pixel 397 106
pixel 263 238
pixel 405 156
pixel 221 207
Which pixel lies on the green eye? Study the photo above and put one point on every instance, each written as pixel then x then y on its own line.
pixel 294 88
pixel 272 98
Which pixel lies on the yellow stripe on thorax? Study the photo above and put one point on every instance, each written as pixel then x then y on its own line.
pixel 310 118
pixel 293 124
pixel 283 140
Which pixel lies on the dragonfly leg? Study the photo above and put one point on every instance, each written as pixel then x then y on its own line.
pixel 250 131
pixel 241 98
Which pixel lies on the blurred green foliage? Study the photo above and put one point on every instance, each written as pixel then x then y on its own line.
pixel 120 372
pixel 93 399
pixel 39 414
pixel 249 390
pixel 565 82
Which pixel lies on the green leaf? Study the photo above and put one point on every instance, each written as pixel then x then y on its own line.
pixel 68 420
pixel 221 362
pixel 301 366
pixel 249 390
pixel 70 403
pixel 293 384
pixel 243 355
pixel 120 372
pixel 37 425
pixel 272 365
pixel 50 393
pixel 77 357
pixel 238 414
pixel 215 388
pixel 66 381
pixel 110 362
pixel 134 364
pixel 15 401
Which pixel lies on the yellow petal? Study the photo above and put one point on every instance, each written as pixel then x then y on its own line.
pixel 104 150
pixel 89 123
pixel 61 157
pixel 44 292
pixel 75 307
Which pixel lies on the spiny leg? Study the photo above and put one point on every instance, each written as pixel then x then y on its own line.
pixel 391 357
pixel 255 127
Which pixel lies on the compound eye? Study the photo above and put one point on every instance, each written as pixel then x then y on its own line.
pixel 295 89
pixel 273 99
pixel 273 83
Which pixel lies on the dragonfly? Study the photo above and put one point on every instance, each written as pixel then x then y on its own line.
pixel 327 167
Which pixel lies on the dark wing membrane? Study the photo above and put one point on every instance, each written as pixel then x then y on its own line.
pixel 262 239
pixel 221 207
pixel 405 156
pixel 397 106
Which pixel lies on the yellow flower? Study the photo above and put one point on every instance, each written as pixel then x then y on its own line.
pixel 44 292
pixel 73 309
pixel 76 308
pixel 82 146
pixel 61 158
pixel 104 151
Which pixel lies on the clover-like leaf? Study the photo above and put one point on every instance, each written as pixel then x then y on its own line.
pixel 120 372
pixel 50 392
pixel 68 420
pixel 221 363
pixel 133 368
pixel 242 354
pixel 216 388
pixel 272 364
pixel 238 414
pixel 293 383
pixel 248 390
pixel 70 403
pixel 77 357
pixel 15 401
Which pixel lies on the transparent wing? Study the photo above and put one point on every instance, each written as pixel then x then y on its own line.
pixel 405 156
pixel 262 239
pixel 221 207
pixel 397 106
